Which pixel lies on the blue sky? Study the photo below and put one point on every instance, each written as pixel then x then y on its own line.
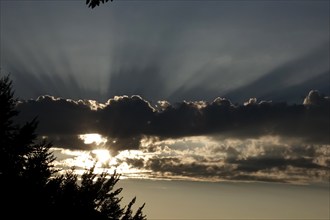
pixel 214 109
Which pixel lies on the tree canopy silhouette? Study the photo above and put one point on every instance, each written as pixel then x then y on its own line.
pixel 94 3
pixel 31 188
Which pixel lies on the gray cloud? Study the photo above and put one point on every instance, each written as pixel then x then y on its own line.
pixel 249 160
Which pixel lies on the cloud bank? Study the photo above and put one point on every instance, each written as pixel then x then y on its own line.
pixel 266 159
pixel 254 141
pixel 202 158
pixel 128 119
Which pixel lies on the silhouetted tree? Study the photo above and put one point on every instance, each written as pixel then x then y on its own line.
pixel 30 187
pixel 94 3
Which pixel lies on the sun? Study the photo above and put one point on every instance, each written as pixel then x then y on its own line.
pixel 102 155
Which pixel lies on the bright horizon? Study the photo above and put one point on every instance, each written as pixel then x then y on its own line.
pixel 226 200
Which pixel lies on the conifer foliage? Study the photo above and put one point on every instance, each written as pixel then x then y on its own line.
pixel 94 3
pixel 31 188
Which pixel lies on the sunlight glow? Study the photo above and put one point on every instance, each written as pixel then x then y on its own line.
pixel 102 155
pixel 102 160
pixel 93 138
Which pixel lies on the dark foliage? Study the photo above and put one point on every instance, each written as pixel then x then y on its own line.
pixel 30 187
pixel 94 3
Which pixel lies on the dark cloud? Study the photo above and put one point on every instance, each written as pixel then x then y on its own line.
pixel 69 142
pixel 267 163
pixel 137 163
pixel 176 167
pixel 257 169
pixel 123 119
pixel 314 98
pixel 178 120
pixel 126 120
pixel 125 116
pixel 59 116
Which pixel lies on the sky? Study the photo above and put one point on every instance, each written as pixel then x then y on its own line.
pixel 209 109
